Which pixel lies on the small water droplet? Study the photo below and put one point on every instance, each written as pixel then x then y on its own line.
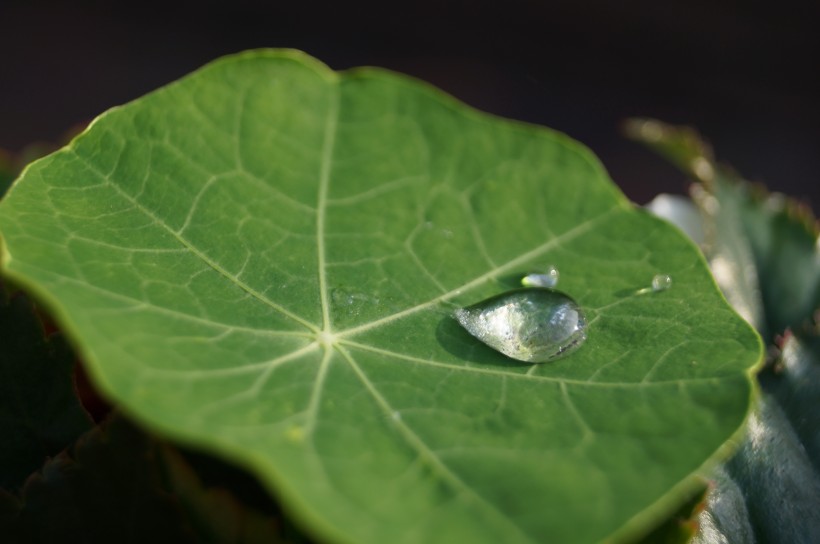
pixel 661 282
pixel 534 325
pixel 344 297
pixel 351 302
pixel 548 278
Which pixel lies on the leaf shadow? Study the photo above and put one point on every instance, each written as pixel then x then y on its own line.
pixel 511 280
pixel 627 293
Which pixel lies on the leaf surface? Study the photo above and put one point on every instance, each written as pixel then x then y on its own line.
pixel 263 259
pixel 763 249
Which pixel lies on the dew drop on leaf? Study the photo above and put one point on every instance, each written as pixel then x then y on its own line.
pixel 661 282
pixel 534 325
pixel 351 302
pixel 548 278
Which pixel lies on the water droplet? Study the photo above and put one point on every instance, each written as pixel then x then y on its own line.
pixel 661 282
pixel 534 325
pixel 343 297
pixel 548 278
pixel 351 302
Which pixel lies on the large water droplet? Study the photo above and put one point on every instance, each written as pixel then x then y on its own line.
pixel 534 325
pixel 548 278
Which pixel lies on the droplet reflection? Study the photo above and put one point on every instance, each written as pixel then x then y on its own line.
pixel 548 278
pixel 534 325
pixel 661 282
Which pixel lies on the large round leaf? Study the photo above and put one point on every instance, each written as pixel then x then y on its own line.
pixel 263 259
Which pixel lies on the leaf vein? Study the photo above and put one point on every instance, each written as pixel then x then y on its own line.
pixel 515 375
pixel 138 303
pixel 580 229
pixel 328 146
pixel 197 252
pixel 425 452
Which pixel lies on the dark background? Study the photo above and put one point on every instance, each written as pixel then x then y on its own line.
pixel 745 74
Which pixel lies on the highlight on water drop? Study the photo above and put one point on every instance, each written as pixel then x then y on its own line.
pixel 548 278
pixel 661 282
pixel 534 325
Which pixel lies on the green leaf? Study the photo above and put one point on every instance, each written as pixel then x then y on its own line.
pixel 780 266
pixel 263 259
pixel 764 252
pixel 781 486
pixel 39 410
pixel 682 526
pixel 11 164
pixel 762 247
pixel 795 383
pixel 770 490
pixel 725 519
pixel 681 212
pixel 777 466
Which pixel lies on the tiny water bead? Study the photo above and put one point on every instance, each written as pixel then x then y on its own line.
pixel 534 325
pixel 661 282
pixel 548 278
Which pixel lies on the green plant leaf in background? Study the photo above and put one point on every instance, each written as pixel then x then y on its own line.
pixel 262 259
pixel 682 526
pixel 764 251
pixel 11 164
pixel 762 247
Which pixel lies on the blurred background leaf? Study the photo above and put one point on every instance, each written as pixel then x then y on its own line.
pixel 763 250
